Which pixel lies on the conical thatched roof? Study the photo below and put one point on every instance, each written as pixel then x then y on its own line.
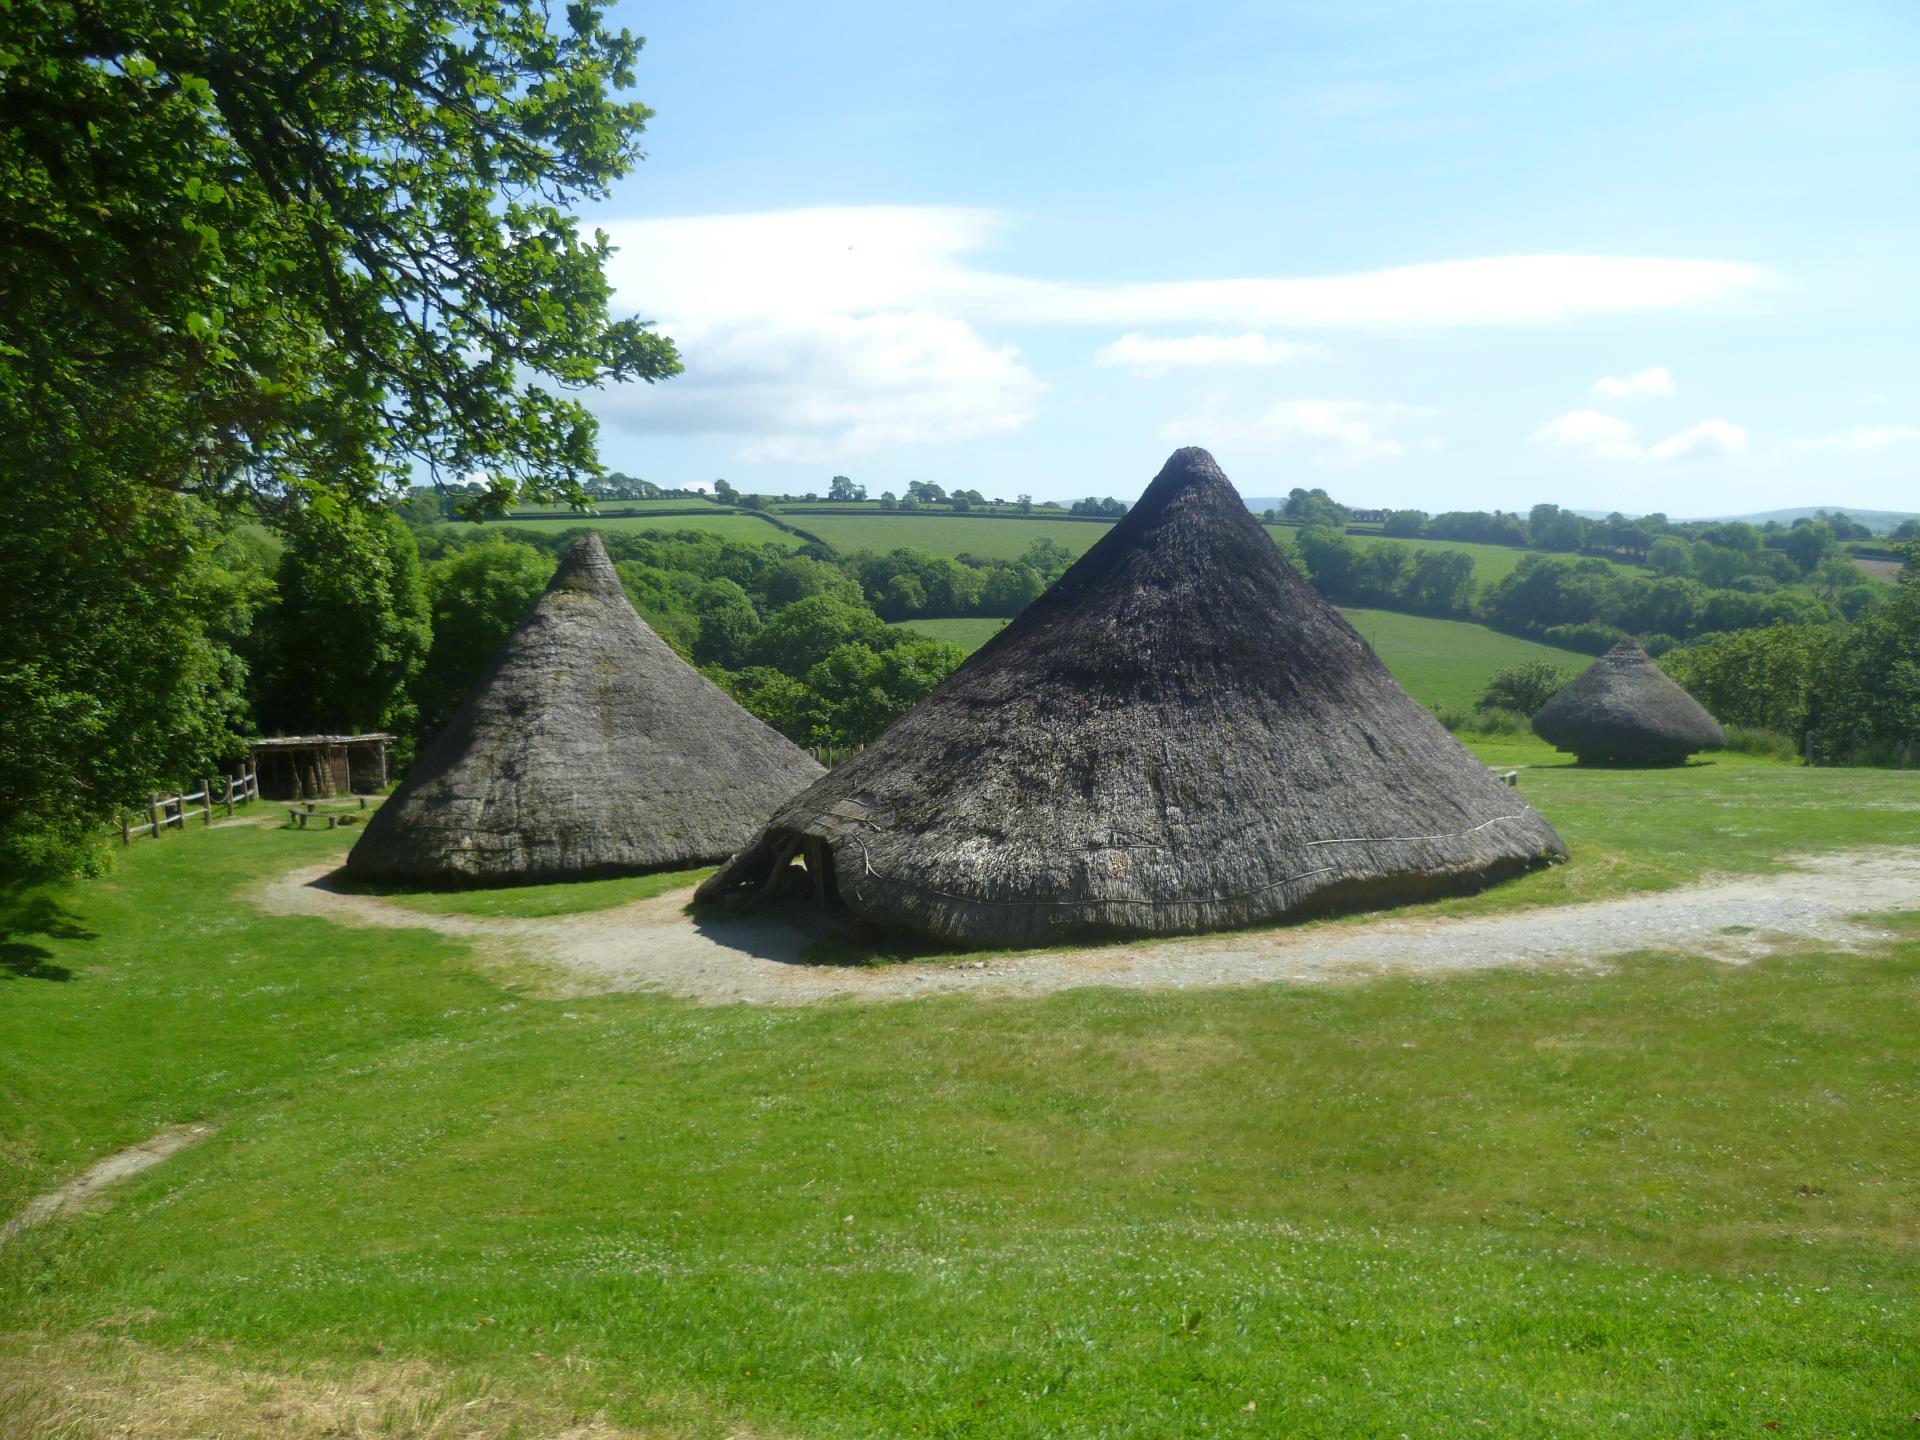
pixel 1625 710
pixel 1179 735
pixel 589 748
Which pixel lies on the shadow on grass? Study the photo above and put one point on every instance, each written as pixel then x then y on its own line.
pixel 27 916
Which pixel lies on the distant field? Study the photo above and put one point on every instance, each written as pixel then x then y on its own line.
pixel 731 524
pixel 613 507
pixel 948 534
pixel 1447 662
pixel 1491 563
pixel 969 635
pixel 1440 662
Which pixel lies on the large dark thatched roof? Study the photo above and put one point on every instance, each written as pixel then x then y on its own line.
pixel 1179 735
pixel 1625 710
pixel 588 748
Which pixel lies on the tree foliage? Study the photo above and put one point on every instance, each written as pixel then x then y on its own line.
pixel 476 597
pixel 350 629
pixel 1523 688
pixel 261 259
pixel 336 235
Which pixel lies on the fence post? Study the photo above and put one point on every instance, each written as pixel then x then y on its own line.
pixel 206 800
pixel 126 829
pixel 229 797
pixel 153 811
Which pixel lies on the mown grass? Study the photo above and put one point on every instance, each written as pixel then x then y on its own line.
pixel 1440 662
pixel 1672 1199
pixel 534 902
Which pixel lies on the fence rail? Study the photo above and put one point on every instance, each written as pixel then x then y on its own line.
pixel 832 755
pixel 171 810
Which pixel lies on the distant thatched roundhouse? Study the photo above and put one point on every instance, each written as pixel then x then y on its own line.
pixel 1624 710
pixel 589 748
pixel 1179 735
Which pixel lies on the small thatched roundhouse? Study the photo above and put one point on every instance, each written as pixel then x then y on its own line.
pixel 589 748
pixel 1624 710
pixel 1179 735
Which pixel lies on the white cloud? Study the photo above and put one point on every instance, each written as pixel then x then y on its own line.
pixel 1338 432
pixel 819 332
pixel 1702 441
pixel 1863 438
pixel 1648 384
pixel 1157 354
pixel 856 259
pixel 1603 437
pixel 820 387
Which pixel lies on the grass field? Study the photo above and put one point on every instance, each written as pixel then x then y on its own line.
pixel 1672 1198
pixel 853 527
pixel 1491 563
pixel 1440 662
pixel 733 525
pixel 613 507
pixel 1448 662
pixel 996 539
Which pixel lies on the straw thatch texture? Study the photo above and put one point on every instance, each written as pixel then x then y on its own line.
pixel 1625 710
pixel 1179 735
pixel 589 748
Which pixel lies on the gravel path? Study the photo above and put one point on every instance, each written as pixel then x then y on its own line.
pixel 653 945
pixel 84 1189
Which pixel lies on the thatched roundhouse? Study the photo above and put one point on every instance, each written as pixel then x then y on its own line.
pixel 589 748
pixel 1624 710
pixel 1179 735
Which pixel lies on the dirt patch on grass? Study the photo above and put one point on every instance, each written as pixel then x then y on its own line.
pixel 90 1389
pixel 656 945
pixel 85 1190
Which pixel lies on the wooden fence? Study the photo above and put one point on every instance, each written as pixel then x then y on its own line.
pixel 166 810
pixel 832 755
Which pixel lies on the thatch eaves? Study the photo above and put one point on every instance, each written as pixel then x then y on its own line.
pixel 1625 710
pixel 589 748
pixel 1179 735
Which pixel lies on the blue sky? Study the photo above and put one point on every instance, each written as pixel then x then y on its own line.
pixel 1454 256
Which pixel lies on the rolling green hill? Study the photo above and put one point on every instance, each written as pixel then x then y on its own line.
pixel 732 524
pixel 1440 662
pixel 1491 563
pixel 949 535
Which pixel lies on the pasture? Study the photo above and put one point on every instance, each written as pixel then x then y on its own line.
pixel 729 524
pixel 1440 662
pixel 949 535
pixel 1491 563
pixel 1668 1196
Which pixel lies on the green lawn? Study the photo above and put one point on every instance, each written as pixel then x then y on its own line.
pixel 1673 1198
pixel 993 539
pixel 531 902
pixel 732 524
pixel 1440 662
